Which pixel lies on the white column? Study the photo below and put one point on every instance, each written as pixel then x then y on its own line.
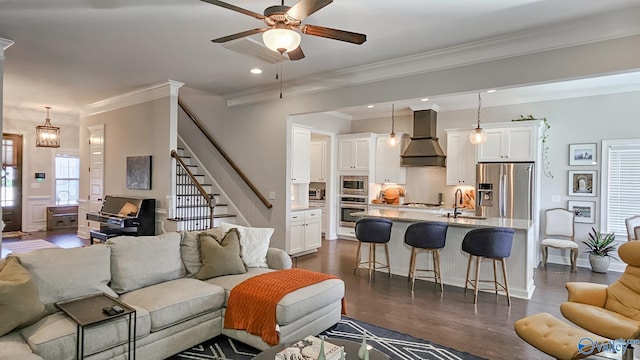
pixel 4 44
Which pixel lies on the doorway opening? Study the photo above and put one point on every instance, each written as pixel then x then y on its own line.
pixel 11 189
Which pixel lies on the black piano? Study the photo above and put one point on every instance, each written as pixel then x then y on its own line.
pixel 123 215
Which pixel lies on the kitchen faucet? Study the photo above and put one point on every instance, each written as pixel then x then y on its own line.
pixel 457 212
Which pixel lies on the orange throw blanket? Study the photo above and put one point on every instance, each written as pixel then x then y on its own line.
pixel 252 303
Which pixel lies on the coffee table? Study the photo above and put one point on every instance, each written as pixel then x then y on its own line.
pixel 350 348
pixel 86 311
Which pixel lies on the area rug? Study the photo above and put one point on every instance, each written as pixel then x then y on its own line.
pixel 396 345
pixel 10 234
pixel 27 245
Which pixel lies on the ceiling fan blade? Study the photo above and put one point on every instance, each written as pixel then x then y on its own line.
pixel 304 8
pixel 235 8
pixel 296 54
pixel 239 35
pixel 335 34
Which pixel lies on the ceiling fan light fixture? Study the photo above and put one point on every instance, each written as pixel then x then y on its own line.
pixel 47 135
pixel 281 39
pixel 478 136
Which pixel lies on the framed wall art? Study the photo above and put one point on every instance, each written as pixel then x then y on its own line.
pixel 583 182
pixel 139 172
pixel 584 211
pixel 583 154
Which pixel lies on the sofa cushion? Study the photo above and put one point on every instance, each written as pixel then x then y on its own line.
pixel 141 261
pixel 62 274
pixel 254 242
pixel 227 282
pixel 175 301
pixel 20 304
pixel 13 346
pixel 54 336
pixel 220 256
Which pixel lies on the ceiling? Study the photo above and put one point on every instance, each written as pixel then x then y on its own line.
pixel 70 53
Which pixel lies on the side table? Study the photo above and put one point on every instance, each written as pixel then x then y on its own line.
pixel 86 311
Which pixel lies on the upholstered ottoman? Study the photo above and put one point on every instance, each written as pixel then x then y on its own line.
pixel 556 338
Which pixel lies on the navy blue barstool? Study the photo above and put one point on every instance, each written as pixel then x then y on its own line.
pixel 426 237
pixel 490 243
pixel 373 231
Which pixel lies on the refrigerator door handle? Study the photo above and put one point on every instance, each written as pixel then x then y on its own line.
pixel 503 195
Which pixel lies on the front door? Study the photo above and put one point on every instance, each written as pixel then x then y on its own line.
pixel 11 193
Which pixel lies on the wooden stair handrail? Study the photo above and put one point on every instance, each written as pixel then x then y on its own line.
pixel 224 155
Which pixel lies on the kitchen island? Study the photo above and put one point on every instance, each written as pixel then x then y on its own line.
pixel 453 261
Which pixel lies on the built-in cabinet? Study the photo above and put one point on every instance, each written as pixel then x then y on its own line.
pixel 511 143
pixel 387 161
pixel 353 153
pixel 318 161
pixel 322 206
pixel 306 231
pixel 300 155
pixel 461 158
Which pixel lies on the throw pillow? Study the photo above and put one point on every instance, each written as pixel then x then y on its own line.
pixel 189 251
pixel 220 256
pixel 254 243
pixel 20 303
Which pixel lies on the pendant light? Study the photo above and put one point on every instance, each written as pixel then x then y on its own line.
pixel 478 136
pixel 47 135
pixel 393 139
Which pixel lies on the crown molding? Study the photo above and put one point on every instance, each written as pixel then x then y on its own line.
pixel 4 45
pixel 150 93
pixel 38 114
pixel 339 115
pixel 420 107
pixel 567 34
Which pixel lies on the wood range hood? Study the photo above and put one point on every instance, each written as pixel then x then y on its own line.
pixel 424 149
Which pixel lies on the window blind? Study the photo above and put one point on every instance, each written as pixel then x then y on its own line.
pixel 623 181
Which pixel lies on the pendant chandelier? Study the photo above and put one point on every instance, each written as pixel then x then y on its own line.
pixel 47 135
pixel 478 136
pixel 393 139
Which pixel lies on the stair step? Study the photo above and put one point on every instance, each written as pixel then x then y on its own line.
pixel 184 187
pixel 217 210
pixel 199 224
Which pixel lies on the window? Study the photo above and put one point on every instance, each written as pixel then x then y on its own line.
pixel 620 184
pixel 67 179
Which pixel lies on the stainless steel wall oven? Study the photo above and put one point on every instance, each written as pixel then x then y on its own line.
pixel 348 206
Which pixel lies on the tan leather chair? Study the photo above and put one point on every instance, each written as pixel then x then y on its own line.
pixel 611 311
pixel 559 234
pixel 632 223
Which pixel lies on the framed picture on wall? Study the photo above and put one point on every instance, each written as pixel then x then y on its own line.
pixel 139 172
pixel 583 182
pixel 583 154
pixel 584 211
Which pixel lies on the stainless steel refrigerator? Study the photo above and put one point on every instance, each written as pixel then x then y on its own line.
pixel 505 190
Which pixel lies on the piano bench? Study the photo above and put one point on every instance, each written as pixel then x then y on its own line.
pixel 95 234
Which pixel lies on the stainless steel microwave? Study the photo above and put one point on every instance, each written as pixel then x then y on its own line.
pixel 354 185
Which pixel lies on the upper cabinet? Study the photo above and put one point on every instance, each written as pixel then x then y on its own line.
pixel 354 153
pixel 387 168
pixel 318 161
pixel 510 143
pixel 461 158
pixel 300 155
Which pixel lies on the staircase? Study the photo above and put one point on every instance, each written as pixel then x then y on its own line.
pixel 191 209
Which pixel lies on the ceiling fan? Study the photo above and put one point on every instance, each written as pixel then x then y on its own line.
pixel 282 22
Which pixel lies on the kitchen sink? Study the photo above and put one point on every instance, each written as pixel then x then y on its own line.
pixel 472 217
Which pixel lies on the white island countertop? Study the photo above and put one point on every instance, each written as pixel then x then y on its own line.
pixel 469 221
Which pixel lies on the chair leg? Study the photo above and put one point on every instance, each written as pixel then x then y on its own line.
pixel 355 270
pixel 495 276
pixel 386 251
pixel 372 255
pixel 436 267
pixel 545 252
pixel 475 285
pixel 466 281
pixel 574 259
pixel 412 267
pixel 411 260
pixel 506 282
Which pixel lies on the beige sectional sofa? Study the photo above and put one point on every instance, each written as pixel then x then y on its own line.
pixel 155 275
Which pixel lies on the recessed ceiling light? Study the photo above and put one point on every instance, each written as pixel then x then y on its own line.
pixel 491 91
pixel 370 106
pixel 256 71
pixel 424 99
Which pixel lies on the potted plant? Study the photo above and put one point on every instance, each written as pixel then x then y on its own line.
pixel 600 246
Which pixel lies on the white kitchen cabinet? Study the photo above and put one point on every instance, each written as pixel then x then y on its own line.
pixel 353 153
pixel 306 231
pixel 318 161
pixel 509 144
pixel 461 158
pixel 387 163
pixel 322 206
pixel 300 155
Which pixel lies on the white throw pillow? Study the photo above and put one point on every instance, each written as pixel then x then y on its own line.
pixel 254 243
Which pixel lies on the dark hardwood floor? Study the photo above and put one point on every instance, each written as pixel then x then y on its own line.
pixel 449 318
